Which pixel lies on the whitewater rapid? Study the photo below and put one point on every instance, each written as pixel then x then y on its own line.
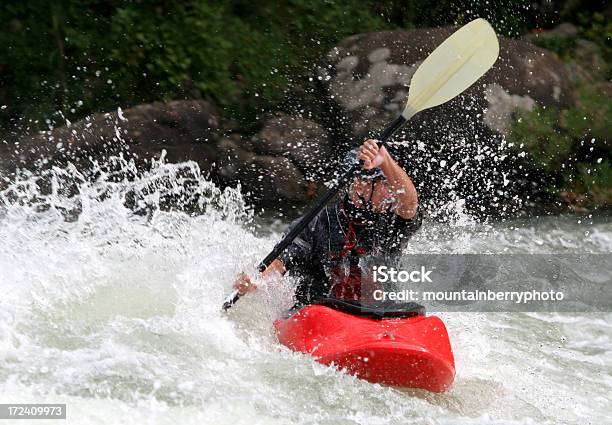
pixel 111 304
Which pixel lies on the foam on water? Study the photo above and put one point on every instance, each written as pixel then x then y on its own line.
pixel 110 303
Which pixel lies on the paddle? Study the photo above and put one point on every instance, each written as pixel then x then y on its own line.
pixel 449 70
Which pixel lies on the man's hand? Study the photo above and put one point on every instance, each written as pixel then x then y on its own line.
pixel 244 284
pixel 371 155
pixel 399 182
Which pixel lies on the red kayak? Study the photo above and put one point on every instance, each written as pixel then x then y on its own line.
pixel 397 346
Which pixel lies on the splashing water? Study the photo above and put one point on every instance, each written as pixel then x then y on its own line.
pixel 111 295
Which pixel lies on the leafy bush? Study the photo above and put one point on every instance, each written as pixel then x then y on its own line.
pixel 572 145
pixel 594 28
pixel 597 179
pixel 83 56
pixel 79 56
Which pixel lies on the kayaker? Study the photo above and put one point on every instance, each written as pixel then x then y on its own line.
pixel 377 215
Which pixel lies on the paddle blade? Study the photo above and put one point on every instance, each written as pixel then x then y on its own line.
pixel 453 66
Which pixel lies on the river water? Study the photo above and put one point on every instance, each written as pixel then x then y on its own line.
pixel 115 311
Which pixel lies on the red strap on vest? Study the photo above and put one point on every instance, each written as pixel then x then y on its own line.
pixel 350 241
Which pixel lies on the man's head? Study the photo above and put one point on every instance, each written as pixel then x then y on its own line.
pixel 368 197
pixel 369 194
pixel 373 194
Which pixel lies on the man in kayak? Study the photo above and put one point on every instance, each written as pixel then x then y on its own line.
pixel 377 215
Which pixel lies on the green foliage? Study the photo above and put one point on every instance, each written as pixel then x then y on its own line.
pixel 596 176
pixel 537 131
pixel 571 144
pixel 562 46
pixel 594 28
pixel 597 181
pixel 42 61
pixel 590 118
pixel 598 29
pixel 83 56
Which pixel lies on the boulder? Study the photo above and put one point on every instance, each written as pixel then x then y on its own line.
pixel 367 77
pixel 267 180
pixel 455 151
pixel 277 166
pixel 185 129
pixel 305 142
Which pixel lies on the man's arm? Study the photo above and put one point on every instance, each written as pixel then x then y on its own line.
pixel 297 251
pixel 400 183
pixel 244 283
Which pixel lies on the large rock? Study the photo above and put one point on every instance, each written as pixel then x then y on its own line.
pixel 290 154
pixel 185 129
pixel 367 77
pixel 305 142
pixel 269 180
pixel 454 151
pixel 277 166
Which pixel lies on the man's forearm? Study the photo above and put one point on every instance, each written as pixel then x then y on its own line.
pixel 275 266
pixel 403 187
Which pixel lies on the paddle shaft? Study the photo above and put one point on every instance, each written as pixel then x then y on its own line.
pixel 317 207
pixel 449 70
